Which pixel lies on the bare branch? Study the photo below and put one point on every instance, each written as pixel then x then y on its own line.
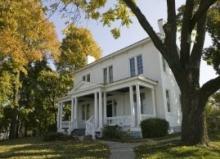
pixel 170 30
pixel 203 8
pixel 186 33
pixel 196 53
pixel 146 25
pixel 210 87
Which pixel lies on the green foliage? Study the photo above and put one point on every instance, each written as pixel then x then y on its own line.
pixel 170 148
pixel 53 136
pixel 112 132
pixel 106 12
pixel 213 113
pixel 154 127
pixel 212 54
pixel 77 44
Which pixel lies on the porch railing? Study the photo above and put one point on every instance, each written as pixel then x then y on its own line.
pixel 90 126
pixel 65 124
pixel 119 120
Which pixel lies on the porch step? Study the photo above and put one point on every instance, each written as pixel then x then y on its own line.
pixel 78 132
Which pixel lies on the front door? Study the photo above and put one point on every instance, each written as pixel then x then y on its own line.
pixel 111 108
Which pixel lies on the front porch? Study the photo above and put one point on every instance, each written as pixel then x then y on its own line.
pixel 124 103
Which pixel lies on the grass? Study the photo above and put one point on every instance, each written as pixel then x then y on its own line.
pixel 35 148
pixel 170 148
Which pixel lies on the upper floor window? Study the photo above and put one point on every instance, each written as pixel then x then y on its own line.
pixel 164 64
pixel 86 78
pixel 139 64
pixel 105 72
pixel 136 66
pixel 108 74
pixel 168 100
pixel 110 70
pixel 132 66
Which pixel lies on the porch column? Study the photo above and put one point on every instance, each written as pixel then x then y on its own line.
pixel 100 110
pixel 132 106
pixel 153 101
pixel 95 109
pixel 105 106
pixel 138 98
pixel 75 110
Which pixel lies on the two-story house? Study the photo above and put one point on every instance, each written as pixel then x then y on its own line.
pixel 123 88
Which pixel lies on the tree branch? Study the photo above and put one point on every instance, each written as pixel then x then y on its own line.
pixel 146 25
pixel 203 8
pixel 196 54
pixel 210 87
pixel 186 33
pixel 170 30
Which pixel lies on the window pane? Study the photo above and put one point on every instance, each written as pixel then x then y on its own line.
pixel 132 67
pixel 84 78
pixel 105 75
pixel 139 64
pixel 110 74
pixel 88 78
pixel 164 64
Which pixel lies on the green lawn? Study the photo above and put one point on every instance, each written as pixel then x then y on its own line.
pixel 170 148
pixel 35 148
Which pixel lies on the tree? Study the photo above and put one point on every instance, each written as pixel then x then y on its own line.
pixel 212 54
pixel 77 44
pixel 184 62
pixel 26 36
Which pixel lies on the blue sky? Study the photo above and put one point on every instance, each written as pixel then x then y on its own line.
pixel 153 10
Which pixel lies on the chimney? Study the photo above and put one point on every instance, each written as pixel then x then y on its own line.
pixel 89 59
pixel 160 25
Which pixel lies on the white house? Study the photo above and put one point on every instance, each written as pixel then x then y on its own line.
pixel 123 88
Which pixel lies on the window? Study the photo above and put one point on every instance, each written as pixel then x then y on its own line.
pixel 105 75
pixel 132 67
pixel 111 108
pixel 110 74
pixel 136 67
pixel 86 78
pixel 168 101
pixel 164 64
pixel 139 64
pixel 142 102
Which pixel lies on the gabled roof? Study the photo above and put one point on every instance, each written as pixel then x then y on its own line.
pixel 83 86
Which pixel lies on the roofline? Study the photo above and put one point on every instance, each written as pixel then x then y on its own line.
pixel 118 52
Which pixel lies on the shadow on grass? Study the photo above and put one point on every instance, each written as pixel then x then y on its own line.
pixel 172 149
pixel 57 149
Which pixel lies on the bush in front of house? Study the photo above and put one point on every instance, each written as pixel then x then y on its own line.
pixel 213 120
pixel 112 132
pixel 154 127
pixel 52 136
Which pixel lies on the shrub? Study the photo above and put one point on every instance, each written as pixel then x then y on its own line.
pixel 112 132
pixel 154 127
pixel 52 136
pixel 213 120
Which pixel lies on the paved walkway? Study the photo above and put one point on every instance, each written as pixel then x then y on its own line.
pixel 121 150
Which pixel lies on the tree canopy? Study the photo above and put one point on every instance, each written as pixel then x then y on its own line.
pixel 77 44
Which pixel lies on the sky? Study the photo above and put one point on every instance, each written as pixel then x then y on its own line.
pixel 152 9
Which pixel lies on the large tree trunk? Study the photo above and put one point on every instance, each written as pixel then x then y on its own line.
pixel 194 130
pixel 14 125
